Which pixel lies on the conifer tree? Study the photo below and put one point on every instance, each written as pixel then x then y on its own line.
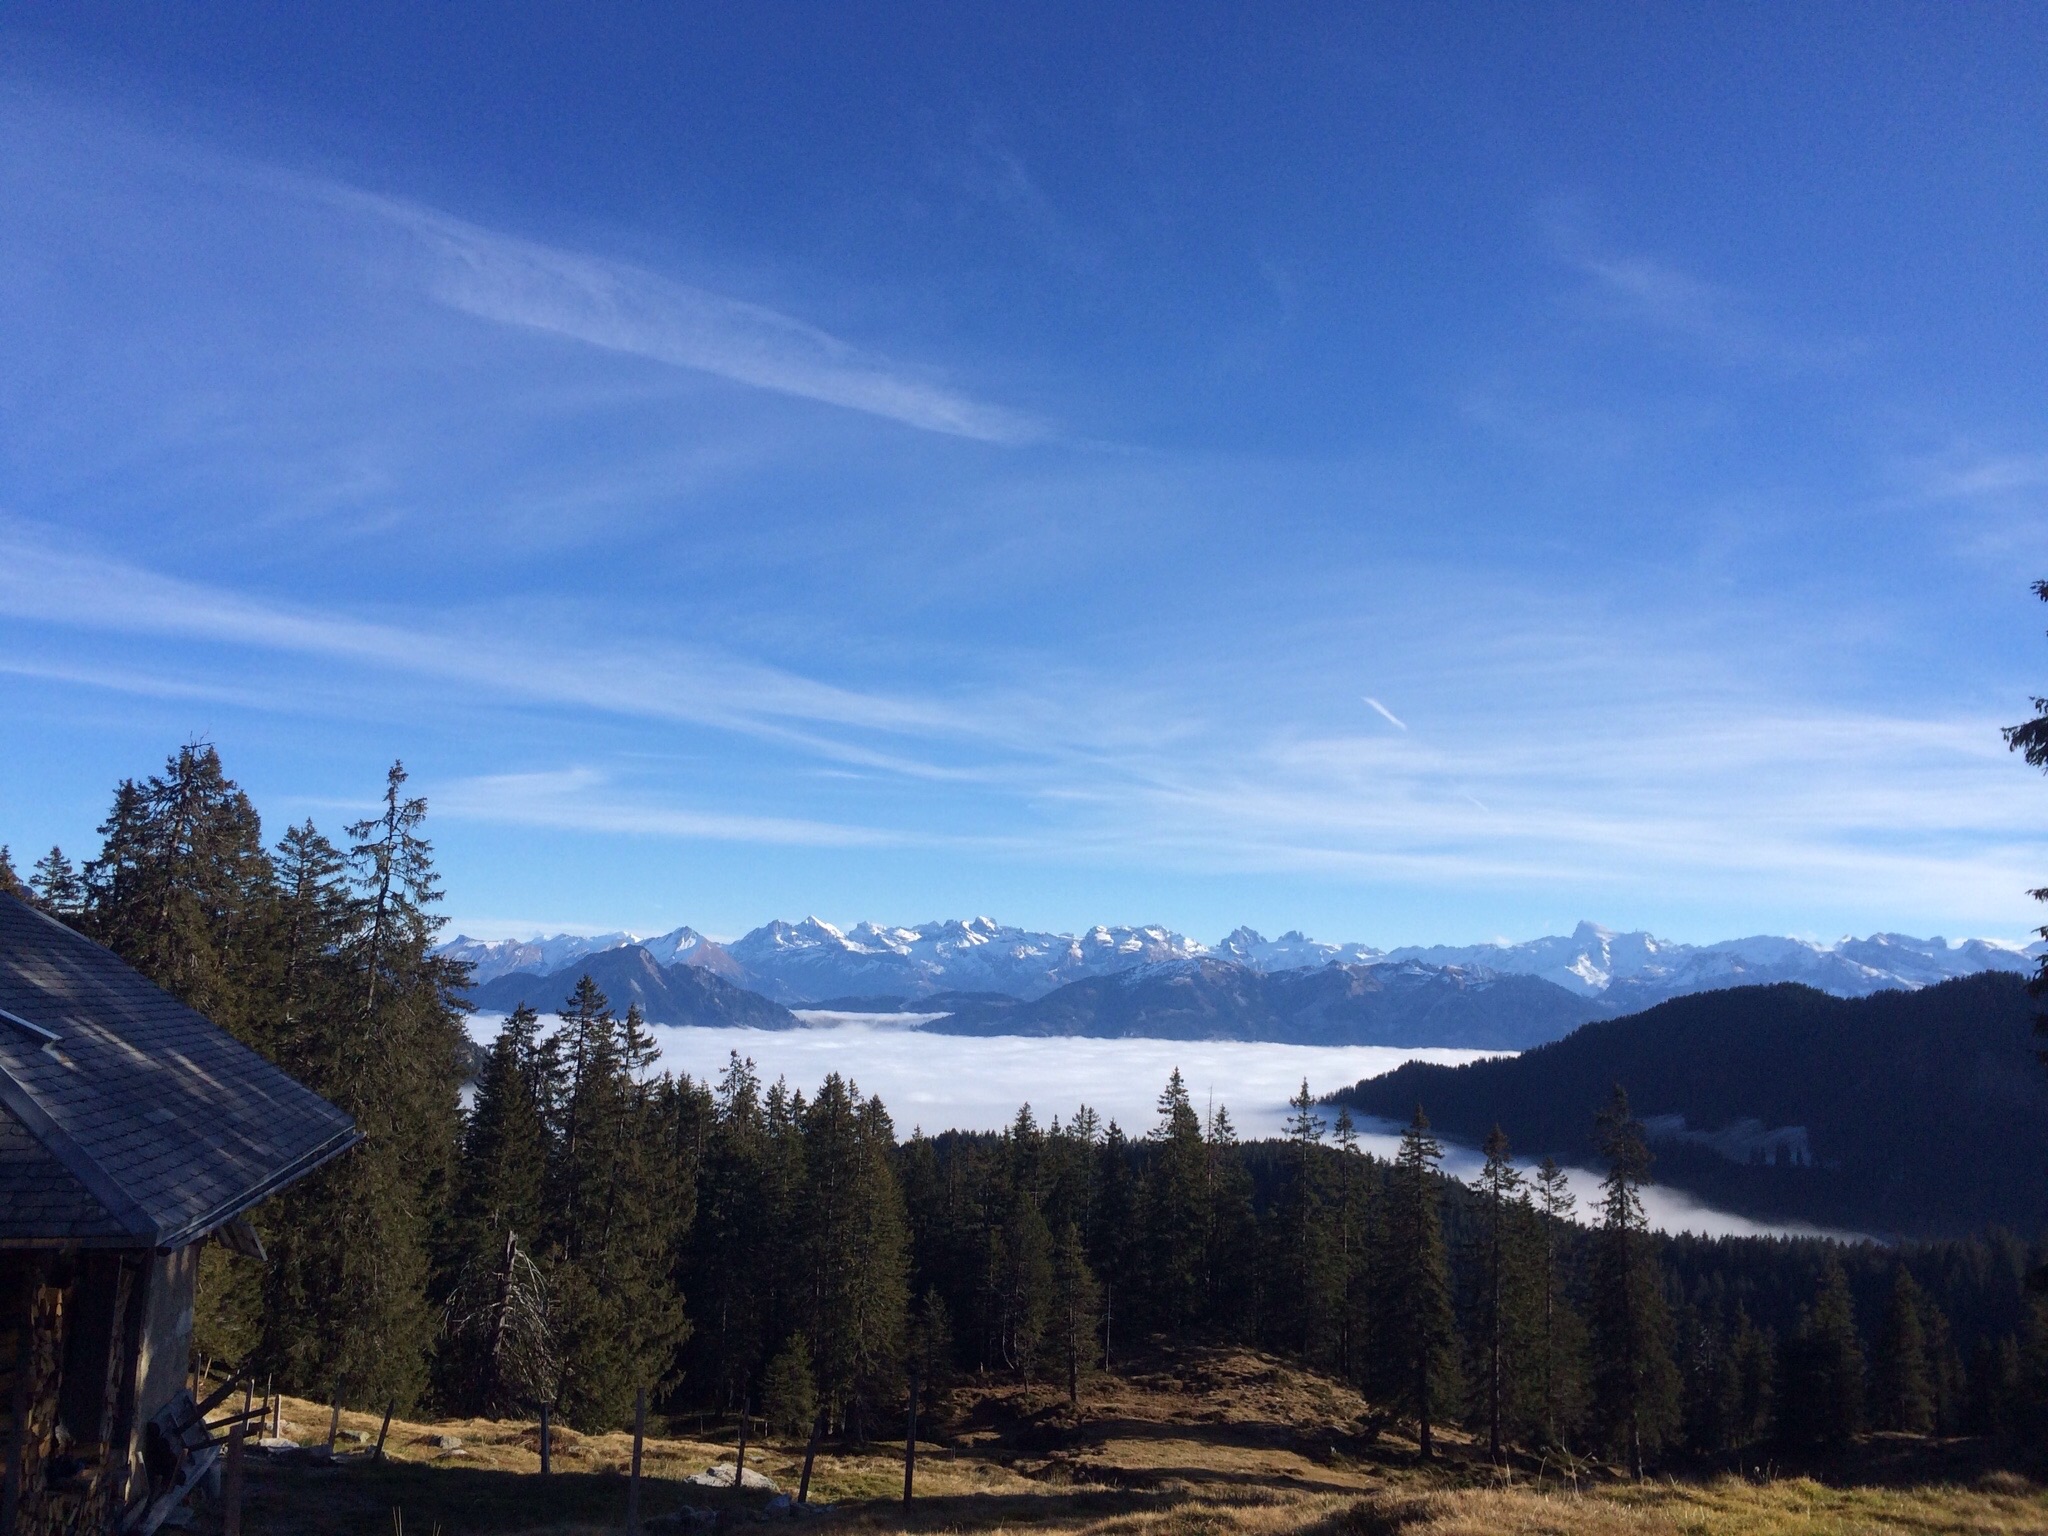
pixel 1176 1211
pixel 304 987
pixel 1755 1353
pixel 181 887
pixel 931 1344
pixel 505 1139
pixel 1415 1330
pixel 349 1308
pixel 1903 1383
pixel 1077 1173
pixel 498 1339
pixel 1231 1253
pixel 1560 1336
pixel 789 1391
pixel 853 1257
pixel 731 1250
pixel 1353 1272
pixel 1711 1376
pixel 1075 1298
pixel 619 1318
pixel 1113 1242
pixel 1500 1343
pixel 1635 1383
pixel 305 1029
pixel 1022 1284
pixel 1305 1274
pixel 1820 1394
pixel 10 882
pixel 1945 1369
pixel 56 887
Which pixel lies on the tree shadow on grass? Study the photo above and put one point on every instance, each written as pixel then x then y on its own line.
pixel 299 1500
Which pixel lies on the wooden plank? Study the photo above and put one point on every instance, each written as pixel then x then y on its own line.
pixel 633 1486
pixel 231 1484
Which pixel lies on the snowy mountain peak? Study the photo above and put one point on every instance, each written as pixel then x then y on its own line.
pixel 812 960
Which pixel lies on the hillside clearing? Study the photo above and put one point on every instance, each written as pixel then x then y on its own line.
pixel 1197 1443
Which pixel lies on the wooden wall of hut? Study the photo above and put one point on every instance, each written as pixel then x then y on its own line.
pixel 66 1351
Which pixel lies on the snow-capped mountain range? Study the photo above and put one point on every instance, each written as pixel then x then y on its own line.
pixel 813 962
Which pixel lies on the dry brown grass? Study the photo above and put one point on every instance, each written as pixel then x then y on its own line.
pixel 1200 1443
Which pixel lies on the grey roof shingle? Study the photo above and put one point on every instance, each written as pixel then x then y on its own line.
pixel 145 1125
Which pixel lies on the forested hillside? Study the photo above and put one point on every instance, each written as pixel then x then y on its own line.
pixel 1384 1004
pixel 593 1225
pixel 1918 1113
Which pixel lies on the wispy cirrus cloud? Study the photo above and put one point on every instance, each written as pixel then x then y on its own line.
pixel 44 583
pixel 587 800
pixel 625 308
pixel 1968 477
pixel 1659 295
pixel 1602 779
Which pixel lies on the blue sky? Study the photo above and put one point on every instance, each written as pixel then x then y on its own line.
pixel 1407 473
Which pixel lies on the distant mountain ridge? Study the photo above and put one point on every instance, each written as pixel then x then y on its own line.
pixel 629 975
pixel 799 963
pixel 1398 1003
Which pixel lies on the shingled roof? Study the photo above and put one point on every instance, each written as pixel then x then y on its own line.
pixel 126 1119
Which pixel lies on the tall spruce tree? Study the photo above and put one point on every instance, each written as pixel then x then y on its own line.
pixel 1710 1376
pixel 1415 1329
pixel 1820 1392
pixel 1176 1212
pixel 497 1351
pixel 1353 1271
pixel 1560 1335
pixel 1635 1382
pixel 1021 1283
pixel 10 881
pixel 349 1309
pixel 619 1318
pixel 1755 1353
pixel 1903 1382
pixel 1115 1240
pixel 1075 1299
pixel 1231 1249
pixel 1501 1345
pixel 181 888
pixel 853 1256
pixel 1305 1272
pixel 305 990
pixel 931 1345
pixel 731 1250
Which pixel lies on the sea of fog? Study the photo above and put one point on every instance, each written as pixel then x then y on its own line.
pixel 941 1082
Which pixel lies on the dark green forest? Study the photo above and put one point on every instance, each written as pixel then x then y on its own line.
pixel 1919 1114
pixel 590 1226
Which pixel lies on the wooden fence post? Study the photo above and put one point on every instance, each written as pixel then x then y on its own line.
pixel 385 1428
pixel 231 1482
pixel 633 1486
pixel 803 1488
pixel 739 1461
pixel 910 1440
pixel 544 1468
pixel 333 1421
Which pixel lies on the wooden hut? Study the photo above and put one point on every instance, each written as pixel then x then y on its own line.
pixel 132 1130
